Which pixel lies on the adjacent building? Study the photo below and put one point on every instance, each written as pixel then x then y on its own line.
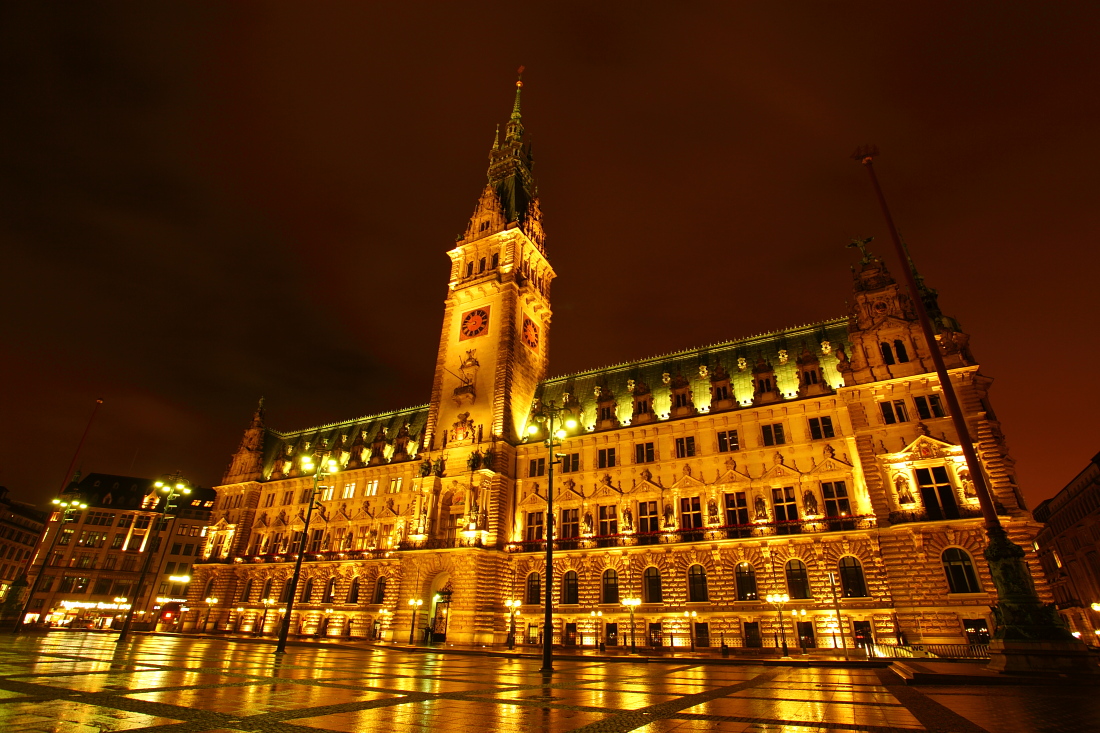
pixel 816 461
pixel 90 559
pixel 1069 550
pixel 20 528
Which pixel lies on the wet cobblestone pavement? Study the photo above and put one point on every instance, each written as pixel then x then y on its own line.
pixel 84 683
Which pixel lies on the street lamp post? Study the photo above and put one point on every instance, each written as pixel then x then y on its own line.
pixel 801 613
pixel 63 509
pixel 836 609
pixel 513 611
pixel 416 603
pixel 631 604
pixel 263 620
pixel 171 487
pixel 597 621
pixel 210 603
pixel 319 472
pixel 690 616
pixel 777 600
pixel 548 413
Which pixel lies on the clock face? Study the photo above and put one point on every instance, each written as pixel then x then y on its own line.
pixel 474 323
pixel 530 333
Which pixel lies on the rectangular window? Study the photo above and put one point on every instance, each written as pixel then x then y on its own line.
pixel 643 453
pixel 536 467
pixel 316 540
pixel 327 493
pixel 534 526
pixel 370 488
pixel 66 536
pixel 607 412
pixel 685 447
pixel 836 499
pixel 570 462
pixel 109 562
pixel 288 498
pixel 936 493
pixel 648 520
pixel 605 458
pixel 721 393
pixel 609 520
pixel 306 496
pixel 349 491
pixel 773 434
pixel 269 500
pixel 737 509
pixel 170 568
pixel 570 524
pixel 188 550
pixel 142 522
pixel 727 441
pixel 929 407
pixel 786 509
pixel 125 520
pixel 691 513
pixel 681 399
pixel 395 485
pixel 893 411
pixel 821 427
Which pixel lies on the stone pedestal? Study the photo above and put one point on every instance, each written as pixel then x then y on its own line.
pixel 1041 657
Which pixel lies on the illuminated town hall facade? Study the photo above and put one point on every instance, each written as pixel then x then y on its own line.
pixel 814 462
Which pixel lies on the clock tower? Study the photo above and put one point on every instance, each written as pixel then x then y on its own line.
pixel 494 344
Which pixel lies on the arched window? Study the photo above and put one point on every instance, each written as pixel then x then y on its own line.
pixel 697 583
pixel 610 592
pixel 651 587
pixel 246 596
pixel 899 349
pixel 534 589
pixel 961 577
pixel 379 592
pixel 887 353
pixel 267 589
pixel 852 583
pixel 569 592
pixel 284 592
pixel 798 585
pixel 209 589
pixel 353 591
pixel 330 590
pixel 746 582
pixel 307 592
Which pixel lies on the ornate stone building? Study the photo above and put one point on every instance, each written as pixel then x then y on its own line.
pixel 800 461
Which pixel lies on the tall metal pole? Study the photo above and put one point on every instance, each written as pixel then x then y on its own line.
pixel 284 627
pixel 548 611
pixel 836 608
pixel 1021 616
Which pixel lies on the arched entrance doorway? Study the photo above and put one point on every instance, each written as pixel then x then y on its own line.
pixel 440 606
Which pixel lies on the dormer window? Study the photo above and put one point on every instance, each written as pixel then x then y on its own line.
pixel 681 399
pixel 469 269
pixel 481 266
pixel 894 353
pixel 495 261
pixel 764 385
pixel 721 393
pixel 484 225
pixel 642 406
pixel 810 376
pixel 607 412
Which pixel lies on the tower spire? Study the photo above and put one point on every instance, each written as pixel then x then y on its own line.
pixel 514 129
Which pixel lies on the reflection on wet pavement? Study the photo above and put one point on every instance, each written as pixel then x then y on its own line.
pixel 84 683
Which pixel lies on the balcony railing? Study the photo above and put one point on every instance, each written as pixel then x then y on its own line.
pixel 708 534
pixel 923 515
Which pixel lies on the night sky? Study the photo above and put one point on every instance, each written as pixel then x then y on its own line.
pixel 203 204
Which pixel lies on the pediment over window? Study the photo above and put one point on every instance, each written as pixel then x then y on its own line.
pixel 830 465
pixel 924 448
pixel 687 481
pixel 780 471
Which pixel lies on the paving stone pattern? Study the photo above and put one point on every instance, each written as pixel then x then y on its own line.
pixel 85 683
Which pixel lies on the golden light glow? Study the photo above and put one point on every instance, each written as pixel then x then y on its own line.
pixel 532 429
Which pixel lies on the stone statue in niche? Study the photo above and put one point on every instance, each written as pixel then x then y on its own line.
pixel 967 484
pixel 760 507
pixel 425 468
pixel 901 485
pixel 670 517
pixel 842 363
pixel 473 462
pixel 588 522
pixel 440 467
pixel 712 511
pixel 465 392
pixel 487 459
pixel 628 519
pixel 809 502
